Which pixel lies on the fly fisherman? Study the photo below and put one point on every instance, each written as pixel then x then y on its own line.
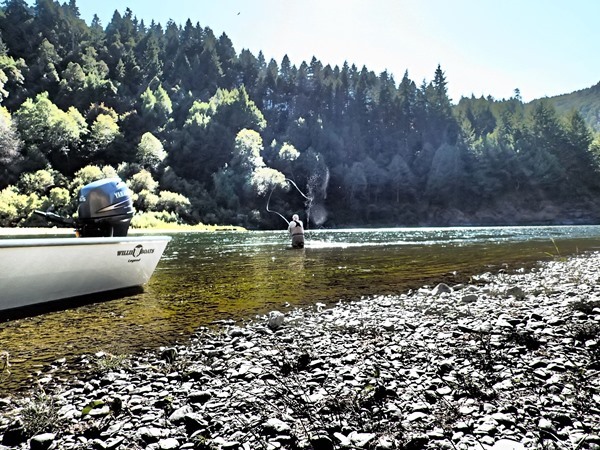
pixel 296 229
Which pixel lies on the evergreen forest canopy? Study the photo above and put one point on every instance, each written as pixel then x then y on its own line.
pixel 202 133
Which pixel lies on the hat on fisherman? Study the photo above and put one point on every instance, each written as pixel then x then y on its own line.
pixel 295 217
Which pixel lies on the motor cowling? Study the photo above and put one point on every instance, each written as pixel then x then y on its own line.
pixel 105 209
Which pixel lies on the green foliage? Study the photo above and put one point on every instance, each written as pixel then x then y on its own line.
pixel 91 406
pixel 103 132
pixel 585 101
pixel 173 202
pixel 106 362
pixel 150 152
pixel 142 181
pixel 156 105
pixel 180 112
pixel 60 198
pixel 85 176
pixel 11 75
pixel 15 208
pixel 288 152
pixel 36 182
pixel 145 200
pixel 153 219
pixel 10 149
pixel 247 149
pixel 263 179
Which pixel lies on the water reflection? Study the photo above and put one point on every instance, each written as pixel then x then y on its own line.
pixel 207 276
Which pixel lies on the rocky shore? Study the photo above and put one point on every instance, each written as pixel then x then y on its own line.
pixel 507 361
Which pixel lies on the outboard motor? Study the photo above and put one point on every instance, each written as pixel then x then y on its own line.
pixel 105 209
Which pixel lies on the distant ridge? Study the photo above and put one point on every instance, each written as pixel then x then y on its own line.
pixel 585 101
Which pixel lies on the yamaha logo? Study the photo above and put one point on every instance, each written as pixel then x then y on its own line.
pixel 136 252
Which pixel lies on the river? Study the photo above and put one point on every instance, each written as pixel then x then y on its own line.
pixel 207 277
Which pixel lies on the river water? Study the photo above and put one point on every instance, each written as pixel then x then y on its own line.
pixel 207 277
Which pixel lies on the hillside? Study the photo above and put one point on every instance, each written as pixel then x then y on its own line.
pixel 203 133
pixel 585 101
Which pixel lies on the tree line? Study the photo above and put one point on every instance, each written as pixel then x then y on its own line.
pixel 203 133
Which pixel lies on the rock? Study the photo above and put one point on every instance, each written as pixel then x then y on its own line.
pixel 151 434
pixel 275 320
pixel 178 416
pixel 361 440
pixel 507 444
pixel 321 441
pixel 418 415
pixel 503 323
pixel 194 422
pixel 168 444
pixel 387 325
pixel 114 443
pixel 409 360
pixel 169 354
pixel 385 443
pixel 41 441
pixel 275 426
pixel 545 424
pixel 502 418
pixel 516 292
pixel 225 444
pixel 441 288
pixel 486 428
pixel 343 440
pixel 14 434
pixel 469 298
pixel 199 397
pixel 237 332
pixel 417 442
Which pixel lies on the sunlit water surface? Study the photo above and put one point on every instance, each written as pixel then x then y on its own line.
pixel 204 277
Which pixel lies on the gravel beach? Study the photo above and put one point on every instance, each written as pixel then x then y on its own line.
pixel 506 361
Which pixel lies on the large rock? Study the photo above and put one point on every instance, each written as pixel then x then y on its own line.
pixel 275 320
pixel 14 434
pixel 441 288
pixel 41 441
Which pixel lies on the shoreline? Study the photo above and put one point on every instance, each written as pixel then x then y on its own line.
pixel 42 231
pixel 507 361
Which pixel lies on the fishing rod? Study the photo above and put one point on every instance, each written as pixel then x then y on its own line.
pixel 308 205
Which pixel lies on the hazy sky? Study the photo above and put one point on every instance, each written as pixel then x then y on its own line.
pixel 485 47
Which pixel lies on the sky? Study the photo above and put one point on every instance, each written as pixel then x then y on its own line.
pixel 485 47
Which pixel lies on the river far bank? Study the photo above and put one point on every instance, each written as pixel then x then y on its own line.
pixel 505 361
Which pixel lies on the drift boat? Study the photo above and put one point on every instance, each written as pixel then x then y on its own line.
pixel 101 258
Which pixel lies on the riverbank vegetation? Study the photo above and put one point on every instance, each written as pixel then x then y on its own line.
pixel 203 133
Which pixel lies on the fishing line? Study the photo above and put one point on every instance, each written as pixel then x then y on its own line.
pixel 298 189
pixel 308 205
pixel 271 211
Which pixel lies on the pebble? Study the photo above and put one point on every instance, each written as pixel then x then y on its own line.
pixel 505 362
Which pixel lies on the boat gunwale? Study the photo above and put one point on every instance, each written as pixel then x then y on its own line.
pixel 74 241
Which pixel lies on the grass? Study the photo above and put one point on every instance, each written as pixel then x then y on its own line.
pixel 40 414
pixel 107 362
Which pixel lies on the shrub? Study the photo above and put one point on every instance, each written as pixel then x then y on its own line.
pixel 153 219
pixel 15 208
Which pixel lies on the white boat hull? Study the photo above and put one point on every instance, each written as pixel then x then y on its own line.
pixel 34 271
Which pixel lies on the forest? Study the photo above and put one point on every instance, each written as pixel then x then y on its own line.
pixel 203 133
